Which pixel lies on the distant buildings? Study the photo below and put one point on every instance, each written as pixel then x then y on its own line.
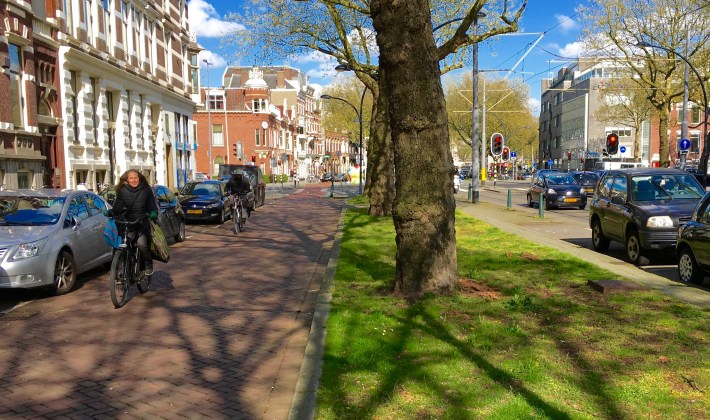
pixel 269 117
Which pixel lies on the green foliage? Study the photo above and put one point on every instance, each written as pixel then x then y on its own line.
pixel 530 340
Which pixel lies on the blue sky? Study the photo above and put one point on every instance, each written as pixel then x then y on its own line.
pixel 549 35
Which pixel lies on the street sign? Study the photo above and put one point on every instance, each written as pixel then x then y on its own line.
pixel 513 154
pixel 684 144
pixel 622 149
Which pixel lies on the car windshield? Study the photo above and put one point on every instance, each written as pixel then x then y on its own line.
pixel 666 187
pixel 201 188
pixel 560 179
pixel 590 178
pixel 30 211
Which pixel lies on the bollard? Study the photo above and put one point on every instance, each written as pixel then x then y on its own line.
pixel 510 198
pixel 332 188
pixel 541 206
pixel 494 183
pixel 470 192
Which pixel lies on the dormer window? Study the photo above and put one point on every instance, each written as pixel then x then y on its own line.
pixel 259 105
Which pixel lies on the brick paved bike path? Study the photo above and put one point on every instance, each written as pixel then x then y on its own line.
pixel 221 334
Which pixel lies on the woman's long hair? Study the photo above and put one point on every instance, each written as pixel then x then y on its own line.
pixel 123 180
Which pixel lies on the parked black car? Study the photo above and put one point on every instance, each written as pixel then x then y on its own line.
pixel 558 189
pixel 205 201
pixel 171 218
pixel 693 244
pixel 588 180
pixel 643 209
pixel 327 177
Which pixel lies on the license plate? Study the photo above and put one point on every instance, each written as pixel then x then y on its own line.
pixel 571 200
pixel 194 212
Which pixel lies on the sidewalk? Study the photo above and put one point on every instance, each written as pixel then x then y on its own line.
pixel 557 232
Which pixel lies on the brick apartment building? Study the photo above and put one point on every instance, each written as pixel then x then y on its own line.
pixel 93 88
pixel 269 117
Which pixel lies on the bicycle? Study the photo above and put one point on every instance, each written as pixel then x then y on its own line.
pixel 238 211
pixel 127 267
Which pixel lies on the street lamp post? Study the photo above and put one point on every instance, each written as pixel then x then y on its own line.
pixel 706 142
pixel 359 120
pixel 209 121
pixel 475 163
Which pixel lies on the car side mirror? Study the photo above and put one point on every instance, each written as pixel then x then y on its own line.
pixel 617 199
pixel 73 222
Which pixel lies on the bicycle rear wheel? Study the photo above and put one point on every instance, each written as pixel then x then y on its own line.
pixel 118 280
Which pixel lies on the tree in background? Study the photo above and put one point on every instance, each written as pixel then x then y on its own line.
pixel 623 101
pixel 615 28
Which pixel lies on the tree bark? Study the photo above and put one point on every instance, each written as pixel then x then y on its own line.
pixel 380 188
pixel 663 147
pixel 423 207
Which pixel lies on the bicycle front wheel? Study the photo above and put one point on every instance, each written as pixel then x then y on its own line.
pixel 118 280
pixel 235 219
pixel 240 223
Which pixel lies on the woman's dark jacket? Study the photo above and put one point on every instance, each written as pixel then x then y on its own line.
pixel 135 203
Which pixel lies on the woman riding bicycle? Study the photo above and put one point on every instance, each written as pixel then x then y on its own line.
pixel 239 185
pixel 135 200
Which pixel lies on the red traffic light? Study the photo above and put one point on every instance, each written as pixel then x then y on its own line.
pixel 253 158
pixel 506 154
pixel 612 143
pixel 496 144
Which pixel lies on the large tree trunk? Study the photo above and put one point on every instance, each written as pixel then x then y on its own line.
pixel 380 160
pixel 423 207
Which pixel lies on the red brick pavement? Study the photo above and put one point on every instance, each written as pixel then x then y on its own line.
pixel 220 335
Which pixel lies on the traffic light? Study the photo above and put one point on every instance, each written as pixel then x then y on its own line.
pixel 236 153
pixel 612 143
pixel 496 144
pixel 253 158
pixel 505 156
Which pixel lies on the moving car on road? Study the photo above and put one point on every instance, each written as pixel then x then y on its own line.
pixel 693 245
pixel 48 237
pixel 643 209
pixel 558 189
pixel 588 180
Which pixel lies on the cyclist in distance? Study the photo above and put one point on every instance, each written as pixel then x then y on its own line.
pixel 134 200
pixel 238 184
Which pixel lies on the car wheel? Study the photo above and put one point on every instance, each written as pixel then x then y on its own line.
pixel 634 252
pixel 688 269
pixel 180 236
pixel 599 242
pixel 530 202
pixel 547 205
pixel 64 273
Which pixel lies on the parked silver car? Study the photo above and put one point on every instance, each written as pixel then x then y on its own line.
pixel 48 237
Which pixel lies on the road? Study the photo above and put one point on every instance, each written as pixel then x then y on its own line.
pixel 575 228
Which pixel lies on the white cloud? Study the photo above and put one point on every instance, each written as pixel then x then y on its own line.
pixel 572 50
pixel 534 105
pixel 566 23
pixel 206 22
pixel 320 65
pixel 215 60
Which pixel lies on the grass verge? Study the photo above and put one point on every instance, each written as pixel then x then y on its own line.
pixel 524 337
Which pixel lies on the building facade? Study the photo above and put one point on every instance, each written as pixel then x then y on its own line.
pixel 97 87
pixel 569 131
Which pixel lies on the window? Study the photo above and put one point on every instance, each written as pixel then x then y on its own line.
pixel 78 209
pixel 88 25
pixel 18 101
pixel 124 13
pixel 24 178
pixel 216 101
pixel 96 205
pixel 217 137
pixel 75 106
pixel 259 105
pixel 256 137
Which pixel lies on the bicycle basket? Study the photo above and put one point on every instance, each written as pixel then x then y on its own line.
pixel 111 236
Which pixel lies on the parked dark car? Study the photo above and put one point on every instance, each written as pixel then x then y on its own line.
pixel 697 173
pixel 588 180
pixel 326 177
pixel 205 201
pixel 693 244
pixel 558 190
pixel 171 218
pixel 643 209
pixel 341 178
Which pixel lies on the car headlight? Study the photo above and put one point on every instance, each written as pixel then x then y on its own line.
pixel 214 205
pixel 550 191
pixel 28 250
pixel 659 222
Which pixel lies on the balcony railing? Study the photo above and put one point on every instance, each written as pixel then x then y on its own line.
pixel 41 28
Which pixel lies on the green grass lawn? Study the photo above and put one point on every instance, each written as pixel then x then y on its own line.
pixel 524 337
